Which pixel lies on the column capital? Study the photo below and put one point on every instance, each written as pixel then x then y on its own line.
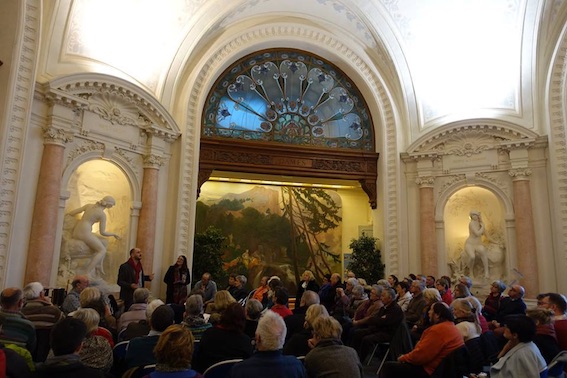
pixel 153 161
pixel 425 182
pixel 56 136
pixel 518 174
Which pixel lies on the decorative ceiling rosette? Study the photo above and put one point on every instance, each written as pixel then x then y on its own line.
pixel 288 97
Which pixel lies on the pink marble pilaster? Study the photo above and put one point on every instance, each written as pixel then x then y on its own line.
pixel 428 239
pixel 145 237
pixel 526 248
pixel 44 221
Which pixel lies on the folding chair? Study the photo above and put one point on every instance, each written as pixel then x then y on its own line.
pixel 401 343
pixel 221 369
pixel 556 366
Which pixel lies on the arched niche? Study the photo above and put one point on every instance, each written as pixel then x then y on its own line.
pixel 88 183
pixel 456 218
pixel 488 154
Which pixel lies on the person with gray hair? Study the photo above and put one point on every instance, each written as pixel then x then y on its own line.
pixel 137 310
pixel 294 322
pixel 38 309
pixel 329 357
pixel 269 361
pixel 417 303
pixel 43 314
pixel 240 293
pixel 141 327
pixel 193 316
pixel 253 311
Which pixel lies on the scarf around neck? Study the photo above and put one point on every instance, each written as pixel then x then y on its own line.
pixel 137 268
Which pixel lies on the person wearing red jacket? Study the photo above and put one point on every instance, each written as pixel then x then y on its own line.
pixel 436 343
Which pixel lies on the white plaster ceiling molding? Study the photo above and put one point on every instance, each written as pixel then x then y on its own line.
pixel 343 14
pixel 471 138
pixel 136 37
pixel 116 101
pixel 465 56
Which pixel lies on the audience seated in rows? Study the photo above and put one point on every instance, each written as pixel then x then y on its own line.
pixel 307 283
pixel 297 344
pixel 43 314
pixel 71 301
pixel 38 309
pixel 545 337
pixel 416 305
pixel 329 357
pixel 140 349
pixel 557 303
pixel 14 327
pixel 96 351
pixel 67 338
pixel 380 328
pixel 91 297
pixel 430 296
pixel 295 322
pixel 404 296
pixel 261 292
pixel 194 318
pixel 444 287
pixel 225 340
pixel 466 319
pixel 174 353
pixel 280 300
pixel 137 310
pixel 141 327
pixel 207 287
pixel 268 361
pixel 368 309
pixel 222 300
pixel 253 311
pixel 520 357
pixel 328 292
pixel 492 301
pixel 436 343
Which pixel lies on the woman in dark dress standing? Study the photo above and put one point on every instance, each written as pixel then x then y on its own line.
pixel 177 278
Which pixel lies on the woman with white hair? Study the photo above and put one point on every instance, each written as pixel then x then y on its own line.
pixel 307 283
pixel 96 351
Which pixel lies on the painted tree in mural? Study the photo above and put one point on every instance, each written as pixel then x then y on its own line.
pixel 311 212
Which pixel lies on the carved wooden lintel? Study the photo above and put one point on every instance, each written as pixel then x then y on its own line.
pixel 260 158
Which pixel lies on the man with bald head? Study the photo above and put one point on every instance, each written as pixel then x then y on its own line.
pixel 513 304
pixel 16 328
pixel 71 302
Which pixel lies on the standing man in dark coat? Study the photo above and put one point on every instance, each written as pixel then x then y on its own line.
pixel 131 276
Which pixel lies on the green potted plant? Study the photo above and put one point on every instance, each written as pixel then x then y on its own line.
pixel 366 261
pixel 207 252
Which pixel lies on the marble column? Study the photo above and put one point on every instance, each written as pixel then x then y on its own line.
pixel 526 248
pixel 428 237
pixel 44 222
pixel 145 237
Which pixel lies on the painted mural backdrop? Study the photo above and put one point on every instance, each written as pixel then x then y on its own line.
pixel 273 230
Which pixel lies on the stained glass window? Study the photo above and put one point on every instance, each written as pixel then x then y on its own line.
pixel 289 97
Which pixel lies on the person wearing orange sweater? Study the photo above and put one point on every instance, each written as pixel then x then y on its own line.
pixel 436 342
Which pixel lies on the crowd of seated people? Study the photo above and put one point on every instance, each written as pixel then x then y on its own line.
pixel 335 325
